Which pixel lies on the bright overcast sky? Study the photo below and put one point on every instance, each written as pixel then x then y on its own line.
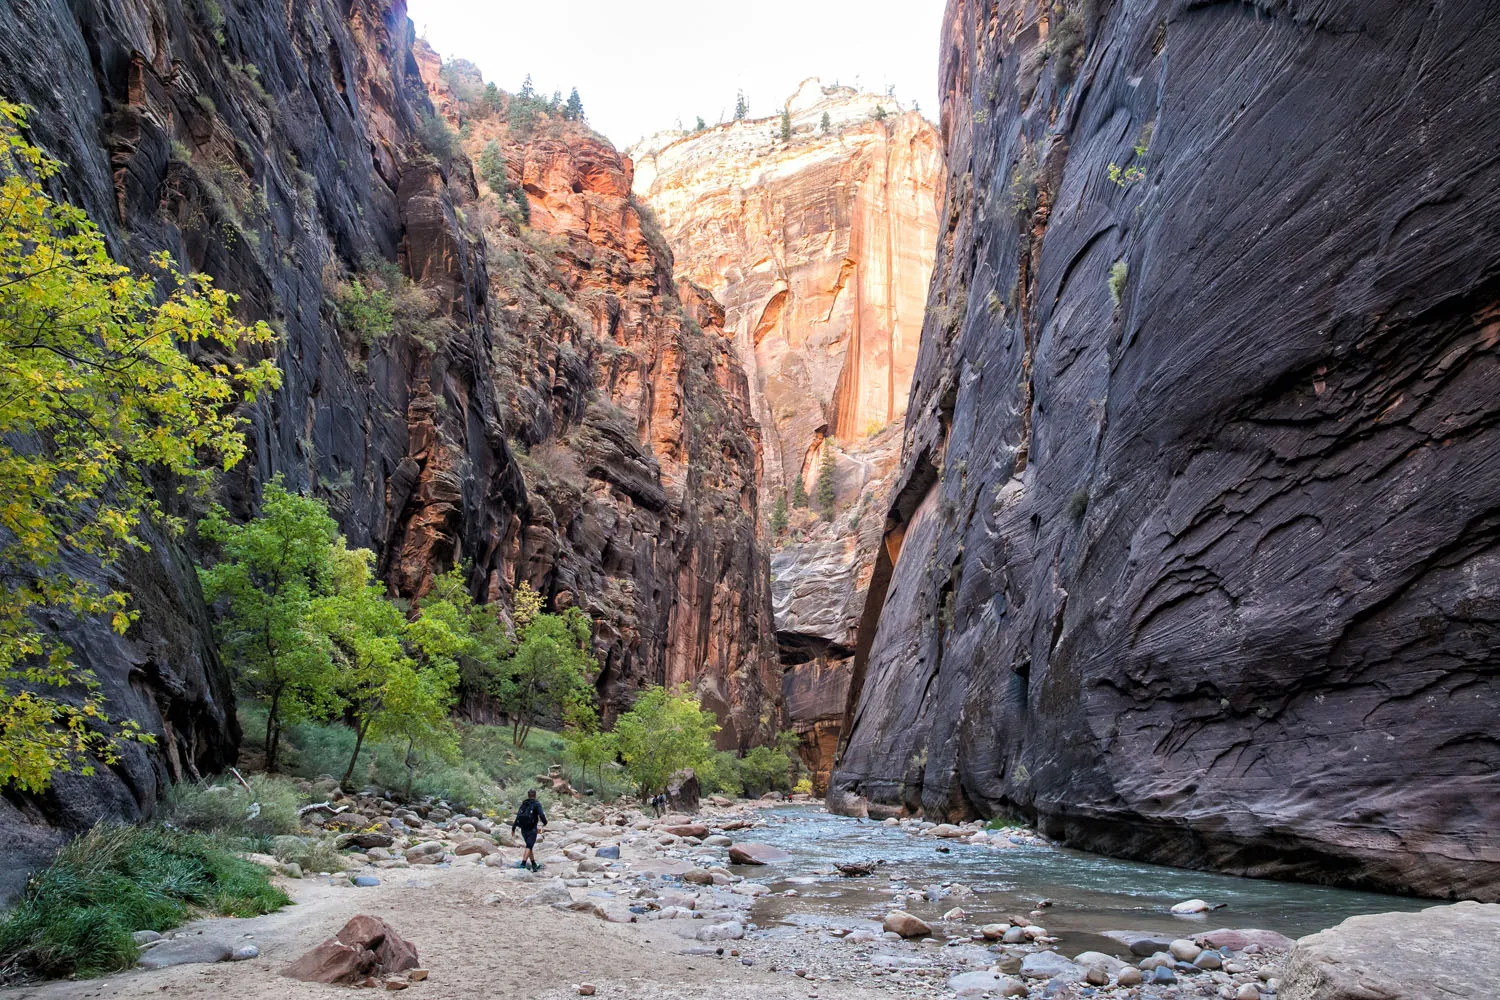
pixel 640 65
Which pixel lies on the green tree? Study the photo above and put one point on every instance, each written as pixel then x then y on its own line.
pixel 741 107
pixel 764 768
pixel 586 746
pixel 365 633
pixel 452 626
pixel 271 571
pixel 778 515
pixel 492 168
pixel 702 125
pixel 880 114
pixel 528 91
pixel 573 110
pixel 492 102
pixel 826 123
pixel 97 388
pixel 664 732
pixel 551 669
pixel 786 125
pixel 827 490
pixel 799 492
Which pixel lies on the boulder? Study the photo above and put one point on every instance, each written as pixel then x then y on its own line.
pixel 973 984
pixel 1050 965
pixel 903 923
pixel 1189 906
pixel 687 830
pixel 363 841
pixel 366 946
pixel 683 790
pixel 698 876
pixel 1249 939
pixel 757 854
pixel 192 950
pixel 1440 953
pixel 476 845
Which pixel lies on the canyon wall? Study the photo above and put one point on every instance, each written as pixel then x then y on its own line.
pixel 290 151
pixel 819 243
pixel 1193 552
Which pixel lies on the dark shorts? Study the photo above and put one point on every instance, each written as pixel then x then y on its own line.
pixel 529 835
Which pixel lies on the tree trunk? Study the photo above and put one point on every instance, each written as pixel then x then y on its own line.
pixel 359 740
pixel 272 732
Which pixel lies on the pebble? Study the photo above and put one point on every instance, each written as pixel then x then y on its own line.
pixel 586 989
pixel 244 952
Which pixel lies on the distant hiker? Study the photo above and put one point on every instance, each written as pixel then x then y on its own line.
pixel 659 804
pixel 527 817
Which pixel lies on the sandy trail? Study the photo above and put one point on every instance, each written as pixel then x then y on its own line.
pixel 472 949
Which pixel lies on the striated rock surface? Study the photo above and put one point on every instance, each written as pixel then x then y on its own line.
pixel 820 247
pixel 1192 555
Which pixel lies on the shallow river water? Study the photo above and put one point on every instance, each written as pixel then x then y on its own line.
pixel 1090 894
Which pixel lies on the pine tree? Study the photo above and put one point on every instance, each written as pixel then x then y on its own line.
pixel 827 492
pixel 880 113
pixel 741 107
pixel 557 101
pixel 826 124
pixel 778 515
pixel 528 92
pixel 702 125
pixel 799 492
pixel 786 125
pixel 574 108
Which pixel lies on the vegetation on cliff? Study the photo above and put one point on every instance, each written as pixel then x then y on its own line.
pixel 107 379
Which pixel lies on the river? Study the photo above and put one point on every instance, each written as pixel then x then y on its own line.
pixel 1090 894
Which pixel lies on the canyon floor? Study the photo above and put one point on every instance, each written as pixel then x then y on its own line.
pixel 669 918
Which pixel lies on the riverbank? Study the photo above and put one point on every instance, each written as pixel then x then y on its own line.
pixel 636 907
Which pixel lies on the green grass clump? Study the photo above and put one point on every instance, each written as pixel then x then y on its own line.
pixel 76 917
pixel 226 807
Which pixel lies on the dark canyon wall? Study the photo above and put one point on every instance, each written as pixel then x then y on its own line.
pixel 1193 552
pixel 281 148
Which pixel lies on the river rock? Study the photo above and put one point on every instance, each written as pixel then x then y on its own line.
pixel 757 854
pixel 1189 906
pixel 1163 974
pixel 1245 940
pixel 1099 960
pixel 973 984
pixel 1440 953
pixel 946 830
pixel 1014 935
pixel 686 830
pixel 1129 976
pixel 1184 950
pixel 1247 991
pixel 363 841
pixel 364 947
pixel 193 949
pixel 1209 960
pixel 476 845
pixel 609 852
pixel 903 923
pixel 717 840
pixel 994 932
pixel 1012 987
pixel 1050 965
pixel 730 931
pixel 698 876
pixel 1141 943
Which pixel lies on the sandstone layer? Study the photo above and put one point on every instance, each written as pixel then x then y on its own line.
pixel 289 150
pixel 1192 557
pixel 820 246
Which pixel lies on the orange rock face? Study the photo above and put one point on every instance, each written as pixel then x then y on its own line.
pixel 631 414
pixel 820 248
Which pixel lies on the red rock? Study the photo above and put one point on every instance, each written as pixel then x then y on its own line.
pixel 757 854
pixel 687 830
pixel 366 947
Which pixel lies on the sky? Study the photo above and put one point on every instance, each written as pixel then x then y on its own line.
pixel 641 65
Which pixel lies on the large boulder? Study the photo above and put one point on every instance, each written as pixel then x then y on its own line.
pixel 908 926
pixel 683 791
pixel 365 946
pixel 757 854
pixel 1440 953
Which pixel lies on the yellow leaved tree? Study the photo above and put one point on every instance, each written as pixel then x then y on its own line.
pixel 99 386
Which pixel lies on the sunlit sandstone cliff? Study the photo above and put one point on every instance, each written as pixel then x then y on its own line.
pixel 820 248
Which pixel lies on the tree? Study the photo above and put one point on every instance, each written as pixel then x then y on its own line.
pixel 555 105
pixel 551 669
pixel 452 626
pixel 702 125
pixel 880 114
pixel 741 107
pixel 528 92
pixel 764 768
pixel 826 123
pixel 271 571
pixel 778 515
pixel 799 492
pixel 586 746
pixel 492 168
pixel 786 125
pixel 573 110
pixel 365 633
pixel 664 732
pixel 97 388
pixel 827 490
pixel 492 101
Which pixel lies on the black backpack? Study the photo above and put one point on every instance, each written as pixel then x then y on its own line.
pixel 527 815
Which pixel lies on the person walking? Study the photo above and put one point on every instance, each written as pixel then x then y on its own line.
pixel 527 818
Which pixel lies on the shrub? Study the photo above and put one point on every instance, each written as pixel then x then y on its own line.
pixel 437 137
pixel 1066 44
pixel 803 787
pixel 1118 274
pixel 268 809
pixel 1078 505
pixel 77 916
pixel 364 310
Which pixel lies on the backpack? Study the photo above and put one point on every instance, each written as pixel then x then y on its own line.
pixel 527 815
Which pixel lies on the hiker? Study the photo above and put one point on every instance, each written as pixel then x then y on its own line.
pixel 527 817
pixel 659 804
